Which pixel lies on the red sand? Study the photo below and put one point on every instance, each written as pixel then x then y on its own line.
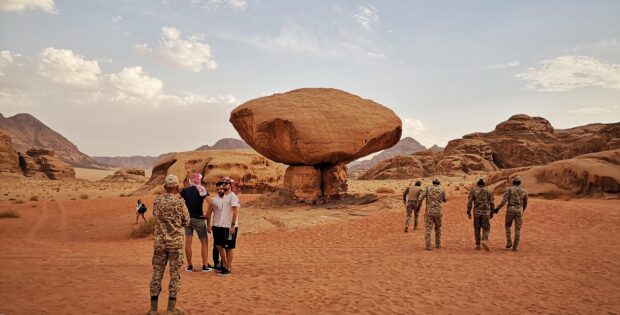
pixel 74 257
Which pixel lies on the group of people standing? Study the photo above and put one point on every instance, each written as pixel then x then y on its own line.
pixel 175 227
pixel 480 199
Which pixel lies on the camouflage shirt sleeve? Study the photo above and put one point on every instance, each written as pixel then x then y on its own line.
pixel 470 201
pixel 422 196
pixel 504 199
pixel 405 193
pixel 184 214
pixel 443 196
pixel 524 199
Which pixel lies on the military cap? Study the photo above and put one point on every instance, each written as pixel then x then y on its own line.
pixel 171 181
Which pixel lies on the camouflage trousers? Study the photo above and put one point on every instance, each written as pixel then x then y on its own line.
pixel 411 208
pixel 517 217
pixel 430 219
pixel 161 257
pixel 481 222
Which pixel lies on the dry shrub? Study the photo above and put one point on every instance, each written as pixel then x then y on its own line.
pixel 384 190
pixel 144 229
pixel 34 198
pixel 84 196
pixel 8 214
pixel 19 201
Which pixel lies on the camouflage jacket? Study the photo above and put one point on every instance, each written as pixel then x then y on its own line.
pixel 516 197
pixel 434 196
pixel 170 217
pixel 411 195
pixel 481 199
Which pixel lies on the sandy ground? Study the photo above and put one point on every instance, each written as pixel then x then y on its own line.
pixel 75 257
pixel 94 175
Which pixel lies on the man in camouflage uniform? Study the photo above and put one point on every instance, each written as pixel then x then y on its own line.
pixel 434 196
pixel 170 217
pixel 516 197
pixel 482 201
pixel 410 198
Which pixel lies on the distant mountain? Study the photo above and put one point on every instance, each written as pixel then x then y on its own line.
pixel 147 162
pixel 436 148
pixel 226 144
pixel 27 132
pixel 405 146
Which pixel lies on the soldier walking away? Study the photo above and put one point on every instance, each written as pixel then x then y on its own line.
pixel 170 218
pixel 435 196
pixel 482 201
pixel 516 197
pixel 410 198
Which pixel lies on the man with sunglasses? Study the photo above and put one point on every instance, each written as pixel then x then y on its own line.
pixel 225 224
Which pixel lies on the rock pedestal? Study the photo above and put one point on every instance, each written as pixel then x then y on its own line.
pixel 308 183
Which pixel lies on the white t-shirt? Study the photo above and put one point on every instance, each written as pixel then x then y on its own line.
pixel 228 202
pixel 217 203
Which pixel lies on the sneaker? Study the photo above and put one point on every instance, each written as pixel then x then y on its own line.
pixel 206 268
pixel 485 246
pixel 189 268
pixel 224 273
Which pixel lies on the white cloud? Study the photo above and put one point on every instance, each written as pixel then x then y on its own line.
pixel 367 17
pixel 191 53
pixel 412 127
pixel 133 83
pixel 64 67
pixel 217 4
pixel 501 66
pixel 566 73
pixel 595 110
pixel 6 58
pixel 23 5
pixel 293 38
pixel 117 19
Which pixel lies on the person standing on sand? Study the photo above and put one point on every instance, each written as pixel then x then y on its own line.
pixel 194 195
pixel 170 217
pixel 140 211
pixel 435 196
pixel 229 222
pixel 410 198
pixel 516 197
pixel 482 201
pixel 215 210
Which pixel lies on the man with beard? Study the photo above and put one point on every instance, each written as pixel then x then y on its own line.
pixel 227 224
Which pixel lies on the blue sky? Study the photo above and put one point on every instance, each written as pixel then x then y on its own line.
pixel 147 77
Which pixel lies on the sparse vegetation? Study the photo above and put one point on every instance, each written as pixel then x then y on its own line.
pixel 384 190
pixel 8 214
pixel 144 229
pixel 84 196
pixel 34 198
pixel 19 201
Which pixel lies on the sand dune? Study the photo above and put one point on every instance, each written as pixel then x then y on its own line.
pixel 74 257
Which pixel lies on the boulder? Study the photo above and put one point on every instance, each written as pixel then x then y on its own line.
pixel 252 172
pixel 334 180
pixel 316 126
pixel 127 175
pixel 9 160
pixel 49 164
pixel 303 182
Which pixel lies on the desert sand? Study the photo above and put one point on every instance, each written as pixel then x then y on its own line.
pixel 76 257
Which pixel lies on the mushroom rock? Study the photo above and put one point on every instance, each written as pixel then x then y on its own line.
pixel 316 131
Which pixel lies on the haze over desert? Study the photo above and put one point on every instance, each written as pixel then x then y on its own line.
pixel 309 157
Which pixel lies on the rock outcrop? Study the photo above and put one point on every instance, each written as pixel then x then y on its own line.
pixel 595 174
pixel 252 172
pixel 9 161
pixel 404 147
pixel 28 132
pixel 45 163
pixel 225 144
pixel 316 131
pixel 127 175
pixel 521 141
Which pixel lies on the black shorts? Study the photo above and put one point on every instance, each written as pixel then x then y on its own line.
pixel 220 237
pixel 142 211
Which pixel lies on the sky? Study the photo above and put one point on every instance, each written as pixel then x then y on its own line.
pixel 145 77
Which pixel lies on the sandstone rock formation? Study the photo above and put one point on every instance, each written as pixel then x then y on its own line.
pixel 405 146
pixel 127 175
pixel 316 131
pixel 9 161
pixel 28 132
pixel 592 174
pixel 225 144
pixel 253 173
pixel 518 142
pixel 45 163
